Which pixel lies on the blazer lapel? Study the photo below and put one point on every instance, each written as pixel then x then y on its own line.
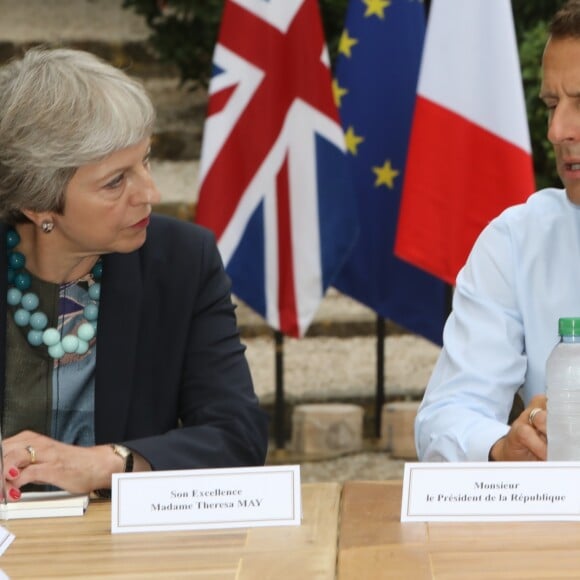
pixel 3 311
pixel 117 333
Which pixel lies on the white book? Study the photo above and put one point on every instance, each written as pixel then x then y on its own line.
pixel 45 504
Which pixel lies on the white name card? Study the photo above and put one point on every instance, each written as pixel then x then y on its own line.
pixel 6 538
pixel 206 499
pixel 502 491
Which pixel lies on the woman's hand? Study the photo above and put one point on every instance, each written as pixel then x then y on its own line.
pixel 526 439
pixel 33 458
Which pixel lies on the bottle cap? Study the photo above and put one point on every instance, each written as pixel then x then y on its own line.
pixel 569 326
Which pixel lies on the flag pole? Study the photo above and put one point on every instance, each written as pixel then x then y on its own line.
pixel 380 390
pixel 280 407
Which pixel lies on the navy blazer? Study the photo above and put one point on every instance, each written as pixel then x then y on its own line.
pixel 172 381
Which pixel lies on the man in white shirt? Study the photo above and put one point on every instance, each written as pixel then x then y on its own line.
pixel 522 275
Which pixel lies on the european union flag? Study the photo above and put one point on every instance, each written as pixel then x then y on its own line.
pixel 375 87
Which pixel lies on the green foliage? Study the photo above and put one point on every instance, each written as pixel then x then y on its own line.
pixel 531 21
pixel 184 33
pixel 528 14
pixel 333 13
pixel 531 47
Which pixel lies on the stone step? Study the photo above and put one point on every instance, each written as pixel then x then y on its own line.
pixel 65 21
pixel 181 113
pixel 136 57
pixel 101 26
pixel 120 36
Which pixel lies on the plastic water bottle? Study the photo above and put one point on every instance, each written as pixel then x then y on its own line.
pixel 563 393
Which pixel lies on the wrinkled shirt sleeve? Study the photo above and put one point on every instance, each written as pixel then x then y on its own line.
pixel 483 363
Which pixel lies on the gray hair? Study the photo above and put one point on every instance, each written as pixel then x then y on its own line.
pixel 61 109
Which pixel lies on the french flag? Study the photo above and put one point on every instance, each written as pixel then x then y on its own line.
pixel 469 152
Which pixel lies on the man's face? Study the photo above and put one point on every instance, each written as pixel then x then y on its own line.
pixel 561 93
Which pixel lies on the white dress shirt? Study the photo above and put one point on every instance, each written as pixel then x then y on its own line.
pixel 522 275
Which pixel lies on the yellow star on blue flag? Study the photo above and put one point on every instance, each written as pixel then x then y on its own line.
pixel 376 7
pixel 377 77
pixel 385 175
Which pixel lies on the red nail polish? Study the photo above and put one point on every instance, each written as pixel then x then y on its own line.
pixel 13 472
pixel 14 493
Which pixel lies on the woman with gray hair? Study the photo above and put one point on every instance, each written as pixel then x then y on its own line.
pixel 120 349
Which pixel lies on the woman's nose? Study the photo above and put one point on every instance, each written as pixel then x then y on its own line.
pixel 146 189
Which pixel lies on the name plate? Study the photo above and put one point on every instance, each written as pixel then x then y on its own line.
pixel 206 499
pixel 503 491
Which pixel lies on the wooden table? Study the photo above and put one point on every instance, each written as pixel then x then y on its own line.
pixel 83 547
pixel 374 544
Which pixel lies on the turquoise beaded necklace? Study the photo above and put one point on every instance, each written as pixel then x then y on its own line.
pixel 26 303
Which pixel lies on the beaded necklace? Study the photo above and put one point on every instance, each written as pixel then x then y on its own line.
pixel 26 302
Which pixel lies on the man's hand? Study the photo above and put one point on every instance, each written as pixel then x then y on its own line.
pixel 526 439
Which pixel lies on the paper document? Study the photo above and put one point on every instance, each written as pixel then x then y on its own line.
pixel 45 504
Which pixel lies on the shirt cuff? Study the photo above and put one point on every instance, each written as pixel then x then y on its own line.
pixel 478 448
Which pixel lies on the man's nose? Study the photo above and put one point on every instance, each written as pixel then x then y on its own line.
pixel 564 124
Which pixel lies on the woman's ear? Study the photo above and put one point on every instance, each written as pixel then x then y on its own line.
pixel 38 217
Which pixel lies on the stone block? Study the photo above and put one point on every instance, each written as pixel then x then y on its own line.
pixel 327 428
pixel 398 428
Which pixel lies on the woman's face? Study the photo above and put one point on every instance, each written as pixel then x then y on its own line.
pixel 108 203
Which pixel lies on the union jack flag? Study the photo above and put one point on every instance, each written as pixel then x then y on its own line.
pixel 274 181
